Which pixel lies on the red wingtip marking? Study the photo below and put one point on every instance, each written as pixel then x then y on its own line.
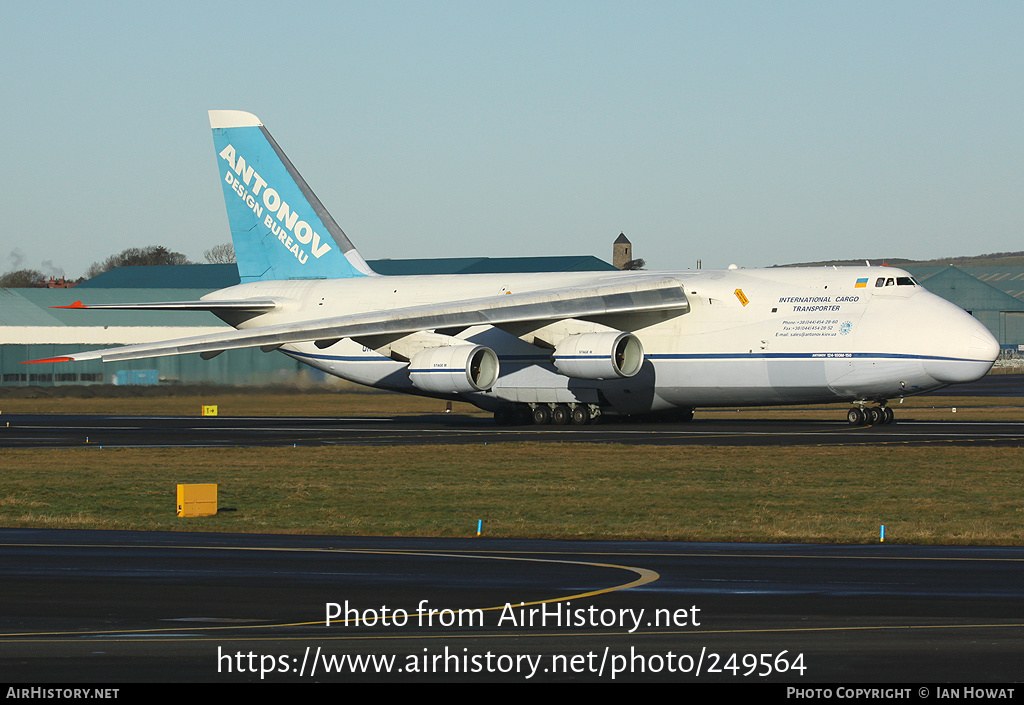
pixel 49 359
pixel 77 304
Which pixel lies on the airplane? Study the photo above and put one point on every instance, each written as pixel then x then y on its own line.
pixel 563 347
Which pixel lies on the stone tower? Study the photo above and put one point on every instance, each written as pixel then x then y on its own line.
pixel 622 251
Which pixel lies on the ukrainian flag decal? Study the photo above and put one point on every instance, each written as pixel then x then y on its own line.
pixel 861 283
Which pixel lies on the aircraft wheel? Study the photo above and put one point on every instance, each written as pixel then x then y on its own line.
pixel 560 415
pixel 581 415
pixel 505 416
pixel 523 415
pixel 855 417
pixel 888 416
pixel 542 415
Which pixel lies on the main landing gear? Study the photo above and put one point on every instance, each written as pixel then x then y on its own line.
pixel 544 414
pixel 870 415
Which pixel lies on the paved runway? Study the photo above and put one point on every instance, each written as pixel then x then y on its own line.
pixel 709 427
pixel 118 607
pixel 713 428
pixel 988 386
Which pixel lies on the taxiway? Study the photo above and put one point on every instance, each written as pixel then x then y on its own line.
pixel 58 431
pixel 89 606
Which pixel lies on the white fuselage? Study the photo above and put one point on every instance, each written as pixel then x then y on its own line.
pixel 750 337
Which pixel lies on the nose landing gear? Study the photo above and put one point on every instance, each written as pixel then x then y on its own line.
pixel 870 415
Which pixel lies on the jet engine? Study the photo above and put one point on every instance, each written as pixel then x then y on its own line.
pixel 454 368
pixel 599 355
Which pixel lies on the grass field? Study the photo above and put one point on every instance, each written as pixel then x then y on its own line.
pixel 939 495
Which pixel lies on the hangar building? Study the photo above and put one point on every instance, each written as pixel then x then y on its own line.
pixel 993 295
pixel 31 328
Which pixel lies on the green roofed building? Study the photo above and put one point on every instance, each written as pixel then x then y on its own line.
pixel 1001 312
pixel 1009 280
pixel 218 276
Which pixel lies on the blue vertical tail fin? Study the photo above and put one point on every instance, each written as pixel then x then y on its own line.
pixel 279 228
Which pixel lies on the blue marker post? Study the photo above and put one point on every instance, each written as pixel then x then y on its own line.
pixel 883 534
pixel 479 526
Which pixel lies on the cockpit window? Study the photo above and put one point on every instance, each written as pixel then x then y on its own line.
pixel 898 281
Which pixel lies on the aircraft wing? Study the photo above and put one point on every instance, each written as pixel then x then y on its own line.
pixel 637 296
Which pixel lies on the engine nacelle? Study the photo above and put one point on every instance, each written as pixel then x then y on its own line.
pixel 454 368
pixel 599 355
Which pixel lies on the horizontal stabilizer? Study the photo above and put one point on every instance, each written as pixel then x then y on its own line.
pixel 259 305
pixel 633 296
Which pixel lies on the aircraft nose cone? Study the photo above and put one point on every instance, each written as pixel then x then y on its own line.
pixel 973 349
pixel 983 345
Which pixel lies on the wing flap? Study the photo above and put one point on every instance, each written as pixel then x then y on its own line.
pixel 643 295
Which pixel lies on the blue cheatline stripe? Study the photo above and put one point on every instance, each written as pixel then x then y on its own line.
pixel 803 356
pixel 440 369
pixel 678 356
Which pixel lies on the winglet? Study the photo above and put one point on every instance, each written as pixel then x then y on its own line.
pixel 77 304
pixel 48 359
